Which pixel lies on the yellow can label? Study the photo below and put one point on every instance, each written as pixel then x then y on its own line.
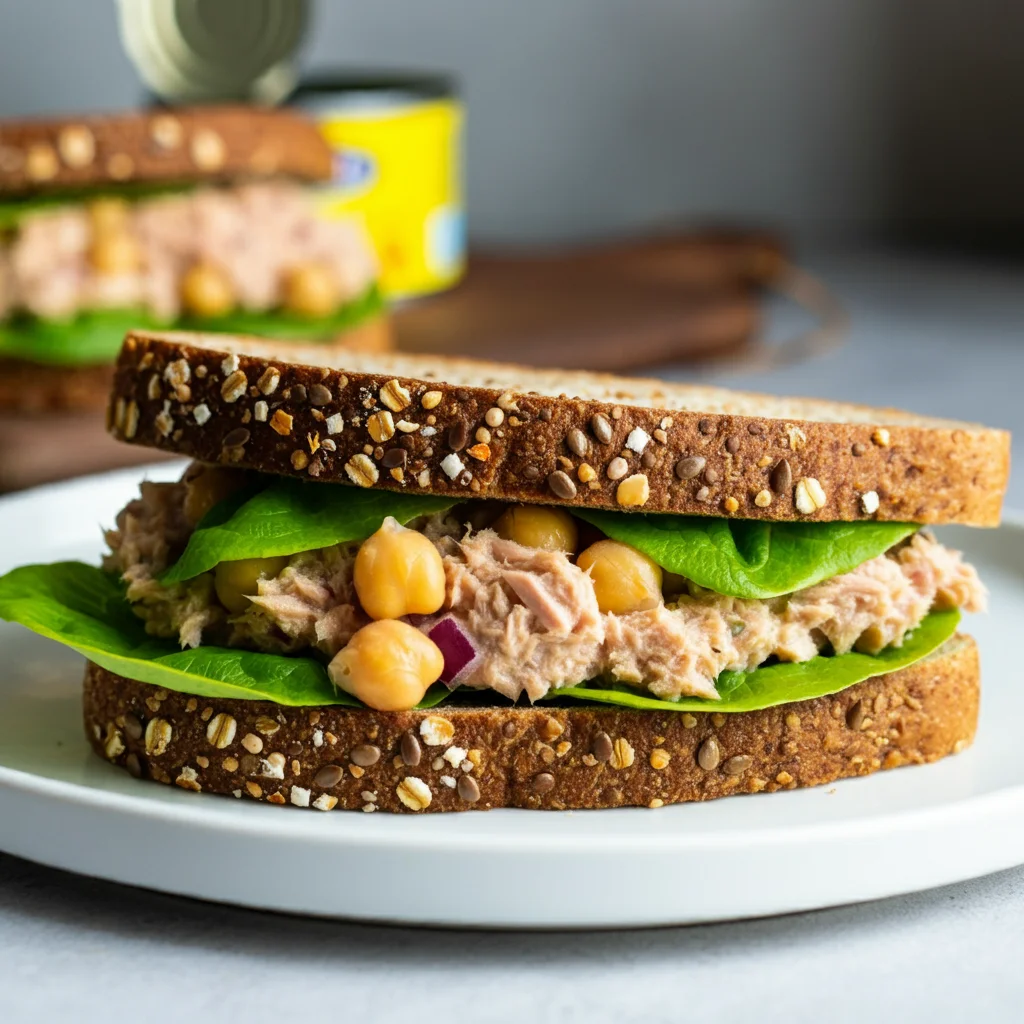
pixel 398 167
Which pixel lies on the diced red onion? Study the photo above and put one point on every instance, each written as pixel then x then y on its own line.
pixel 456 647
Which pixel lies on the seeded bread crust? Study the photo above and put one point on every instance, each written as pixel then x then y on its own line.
pixel 185 145
pixel 490 430
pixel 476 758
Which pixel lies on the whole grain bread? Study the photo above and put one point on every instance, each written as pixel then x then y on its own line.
pixel 188 145
pixel 553 758
pixel 490 430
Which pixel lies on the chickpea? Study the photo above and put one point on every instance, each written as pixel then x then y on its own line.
pixel 537 526
pixel 108 216
pixel 398 572
pixel 311 289
pixel 388 665
pixel 206 486
pixel 235 582
pixel 624 579
pixel 206 290
pixel 115 252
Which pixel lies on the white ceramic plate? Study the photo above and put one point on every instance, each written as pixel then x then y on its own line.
pixel 740 857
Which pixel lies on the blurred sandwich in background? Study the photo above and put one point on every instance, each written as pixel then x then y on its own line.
pixel 197 218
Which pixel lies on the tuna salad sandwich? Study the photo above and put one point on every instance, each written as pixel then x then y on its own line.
pixel 199 218
pixel 396 583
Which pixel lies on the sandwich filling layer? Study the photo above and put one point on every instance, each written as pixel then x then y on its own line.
pixel 201 255
pixel 531 619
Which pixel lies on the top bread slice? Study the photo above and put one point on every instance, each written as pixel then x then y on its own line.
pixel 190 145
pixel 490 430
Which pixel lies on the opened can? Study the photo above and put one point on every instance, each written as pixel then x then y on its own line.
pixel 397 142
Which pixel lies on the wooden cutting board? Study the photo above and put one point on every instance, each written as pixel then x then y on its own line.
pixel 43 449
pixel 617 308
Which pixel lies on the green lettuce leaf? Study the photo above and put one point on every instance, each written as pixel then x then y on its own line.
pixel 749 558
pixel 84 608
pixel 735 557
pixel 95 336
pixel 289 516
pixel 784 682
pixel 88 339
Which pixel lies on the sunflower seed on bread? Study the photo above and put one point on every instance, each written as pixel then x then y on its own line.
pixel 542 757
pixel 651 446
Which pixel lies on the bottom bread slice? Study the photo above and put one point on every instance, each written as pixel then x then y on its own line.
pixel 579 756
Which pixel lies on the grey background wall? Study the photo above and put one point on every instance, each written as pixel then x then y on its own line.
pixel 591 117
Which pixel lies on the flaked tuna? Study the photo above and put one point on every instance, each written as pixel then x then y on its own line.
pixel 533 616
pixel 254 233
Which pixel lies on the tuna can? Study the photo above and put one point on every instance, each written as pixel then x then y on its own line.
pixel 397 142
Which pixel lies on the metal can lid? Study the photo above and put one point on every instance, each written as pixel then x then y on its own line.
pixel 355 90
pixel 196 50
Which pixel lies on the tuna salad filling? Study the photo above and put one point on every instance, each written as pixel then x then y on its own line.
pixel 534 599
pixel 200 254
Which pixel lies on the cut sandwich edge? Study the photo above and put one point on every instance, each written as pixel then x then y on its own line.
pixel 552 757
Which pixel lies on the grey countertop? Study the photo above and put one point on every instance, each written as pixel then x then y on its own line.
pixel 937 336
